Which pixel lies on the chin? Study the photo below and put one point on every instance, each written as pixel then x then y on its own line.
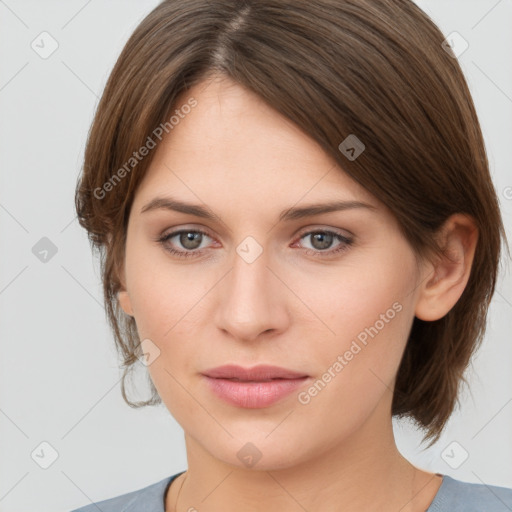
pixel 260 452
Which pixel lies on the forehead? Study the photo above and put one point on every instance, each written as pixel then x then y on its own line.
pixel 231 144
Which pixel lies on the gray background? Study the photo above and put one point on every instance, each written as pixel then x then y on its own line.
pixel 59 376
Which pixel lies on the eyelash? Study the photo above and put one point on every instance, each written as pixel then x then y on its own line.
pixel 346 242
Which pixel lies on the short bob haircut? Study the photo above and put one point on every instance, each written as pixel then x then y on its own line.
pixel 377 69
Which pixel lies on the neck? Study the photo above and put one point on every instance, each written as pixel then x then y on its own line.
pixel 363 472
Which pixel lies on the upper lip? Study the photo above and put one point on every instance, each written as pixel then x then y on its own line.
pixel 256 373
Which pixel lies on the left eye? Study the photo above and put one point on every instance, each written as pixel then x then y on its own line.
pixel 322 240
pixel 191 240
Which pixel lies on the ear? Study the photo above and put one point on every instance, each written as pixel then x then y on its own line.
pixel 122 295
pixel 124 301
pixel 449 274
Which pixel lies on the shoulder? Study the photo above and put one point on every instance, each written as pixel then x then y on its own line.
pixel 458 496
pixel 149 498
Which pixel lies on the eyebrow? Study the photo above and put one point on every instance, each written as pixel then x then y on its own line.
pixel 293 213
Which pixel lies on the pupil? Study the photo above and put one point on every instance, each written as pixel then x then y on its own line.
pixel 325 240
pixel 189 240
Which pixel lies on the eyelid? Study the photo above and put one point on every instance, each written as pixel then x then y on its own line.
pixel 316 227
pixel 180 228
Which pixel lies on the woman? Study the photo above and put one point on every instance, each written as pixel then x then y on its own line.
pixel 300 239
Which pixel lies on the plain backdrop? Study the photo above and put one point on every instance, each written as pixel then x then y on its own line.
pixel 59 375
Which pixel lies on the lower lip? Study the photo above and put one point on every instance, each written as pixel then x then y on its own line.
pixel 253 395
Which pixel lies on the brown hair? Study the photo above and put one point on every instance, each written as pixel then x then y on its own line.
pixel 373 68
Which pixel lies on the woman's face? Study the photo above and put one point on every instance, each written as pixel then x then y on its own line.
pixel 328 295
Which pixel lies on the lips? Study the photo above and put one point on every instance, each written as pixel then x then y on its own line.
pixel 253 388
pixel 259 373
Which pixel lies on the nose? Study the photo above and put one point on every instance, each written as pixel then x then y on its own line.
pixel 251 300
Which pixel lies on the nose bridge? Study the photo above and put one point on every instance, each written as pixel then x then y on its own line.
pixel 249 301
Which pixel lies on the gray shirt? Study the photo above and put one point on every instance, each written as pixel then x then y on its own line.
pixel 453 496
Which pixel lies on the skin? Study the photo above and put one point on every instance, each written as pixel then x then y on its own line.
pixel 246 163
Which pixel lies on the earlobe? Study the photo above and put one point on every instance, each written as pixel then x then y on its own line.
pixel 447 277
pixel 122 295
pixel 125 302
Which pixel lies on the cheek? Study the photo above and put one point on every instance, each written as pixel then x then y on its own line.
pixel 366 311
pixel 361 298
pixel 356 368
pixel 169 310
pixel 162 294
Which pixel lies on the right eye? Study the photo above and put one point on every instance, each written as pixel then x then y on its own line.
pixel 189 239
